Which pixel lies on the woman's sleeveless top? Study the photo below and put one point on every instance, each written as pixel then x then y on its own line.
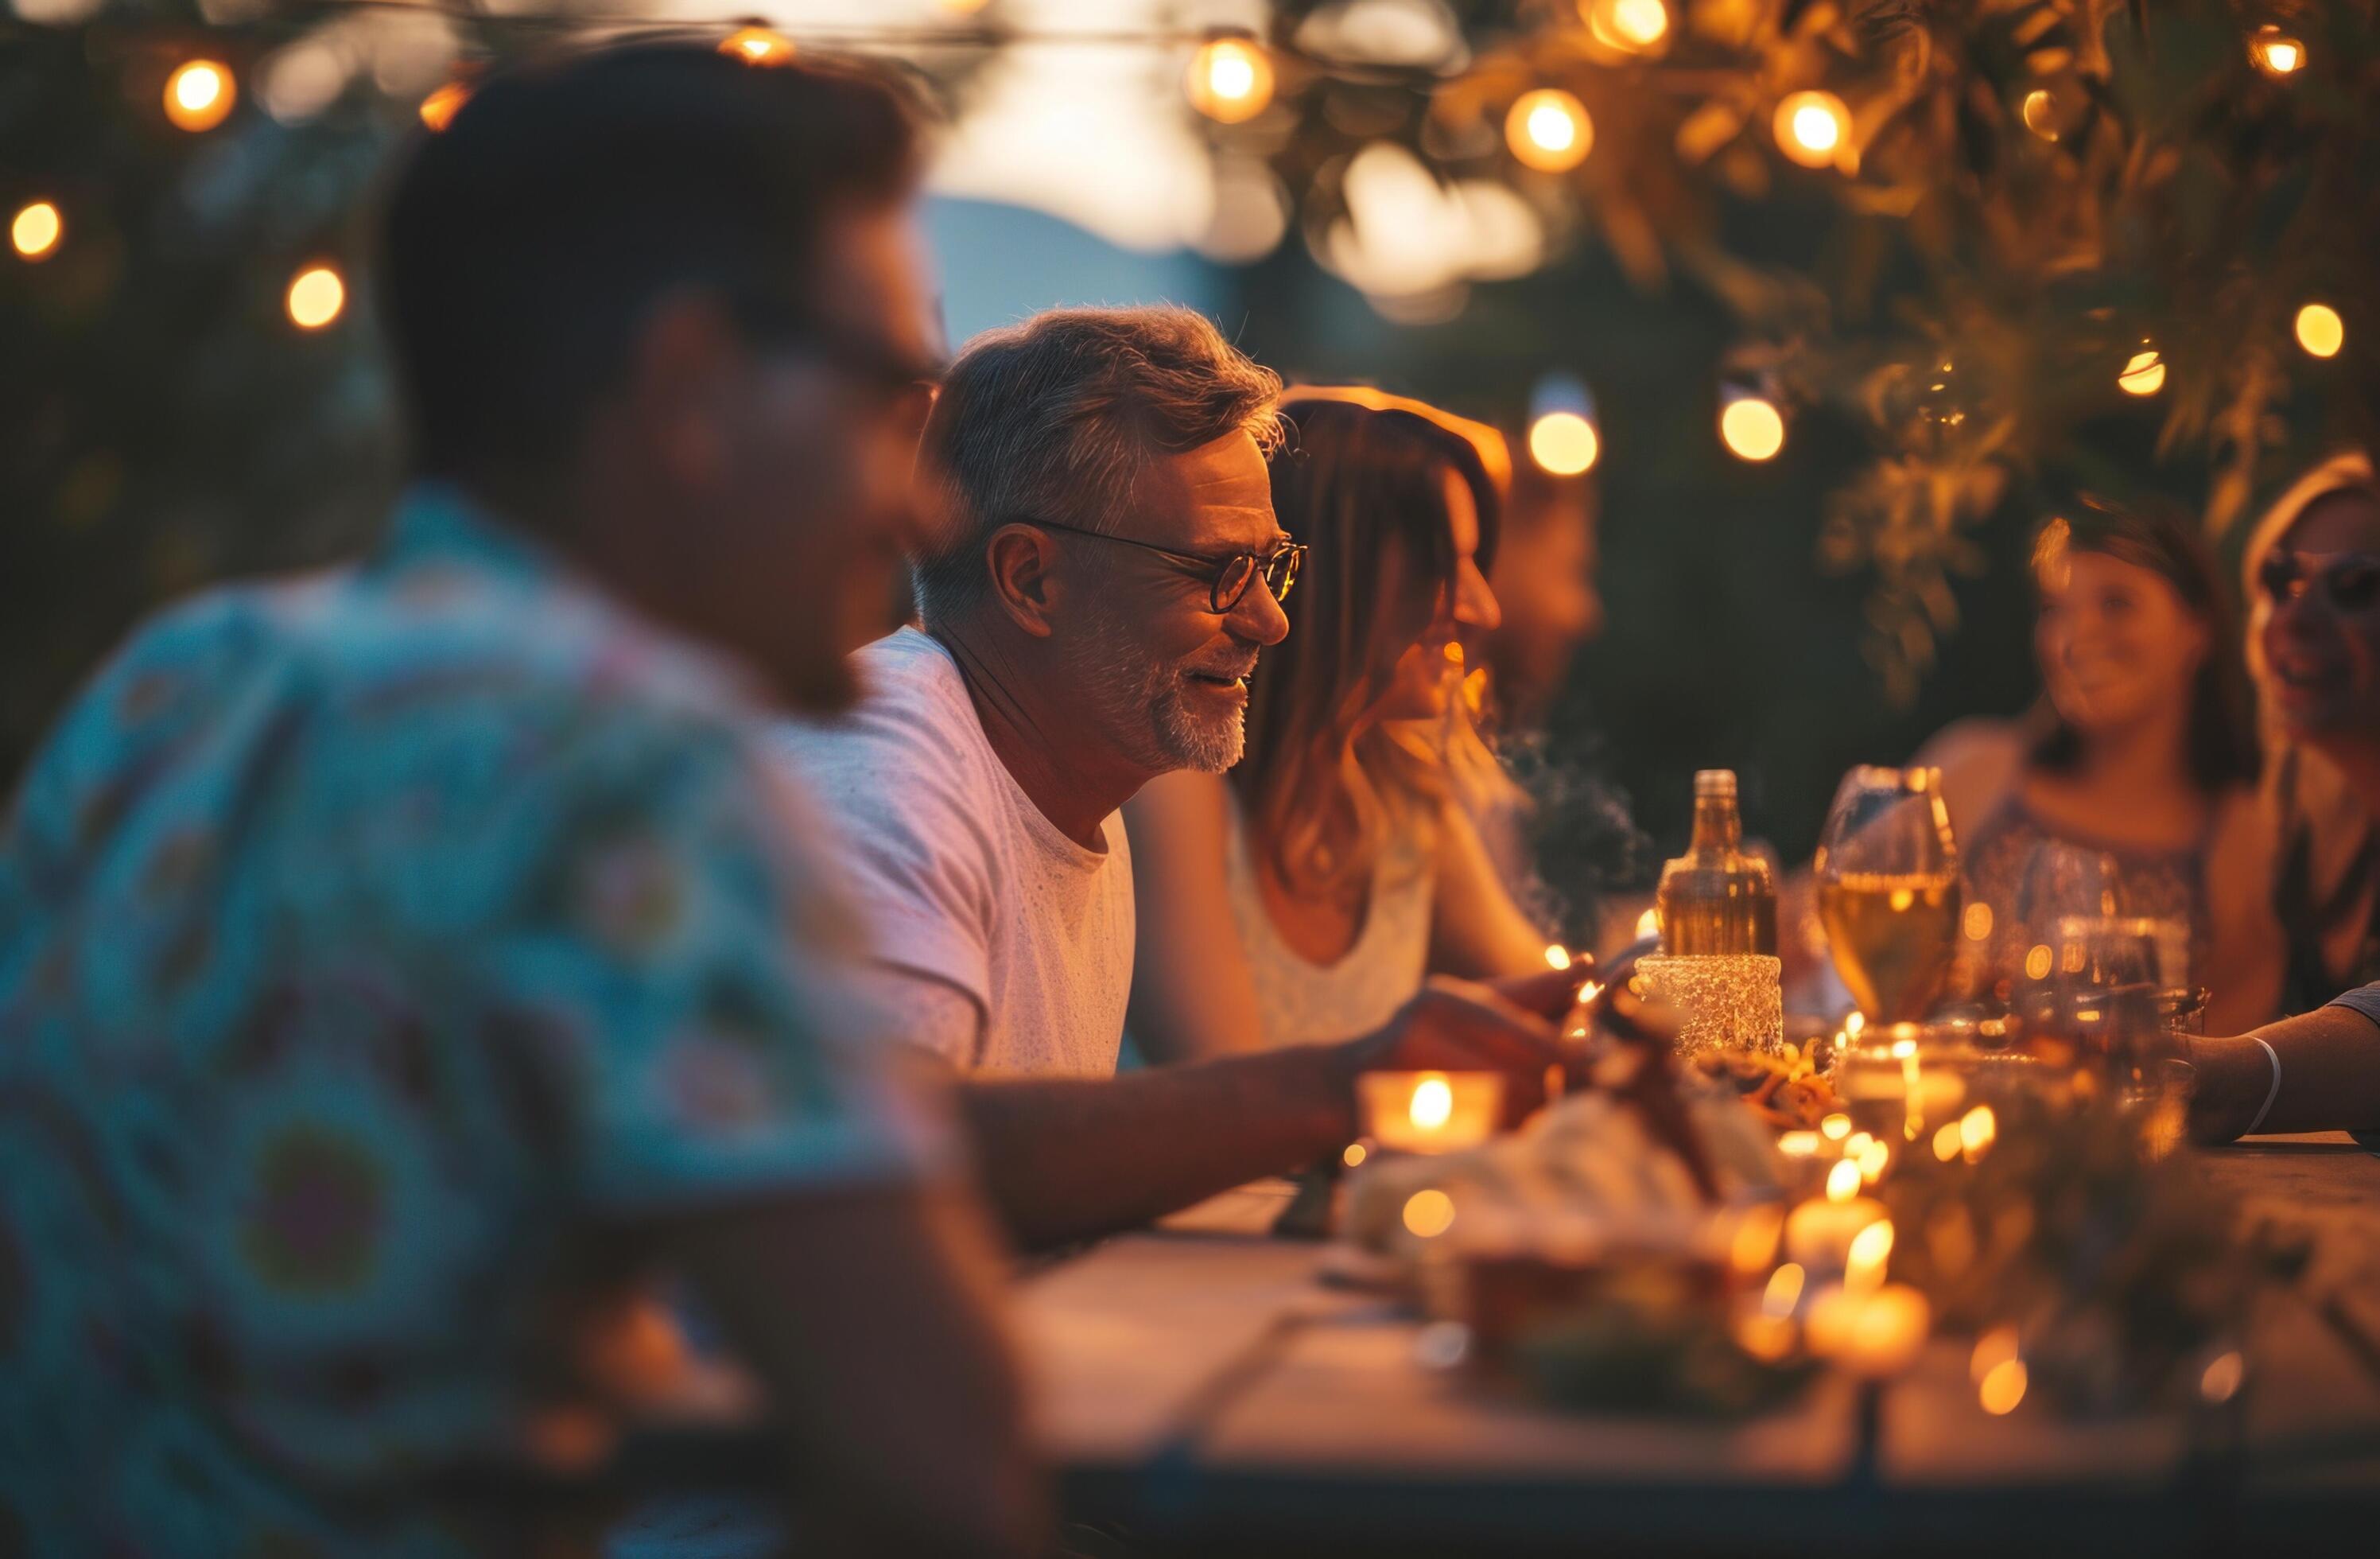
pixel 1300 1002
pixel 2168 885
pixel 2310 913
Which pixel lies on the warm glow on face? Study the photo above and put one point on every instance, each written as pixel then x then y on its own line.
pixel 439 108
pixel 1548 129
pixel 2320 329
pixel 1428 1213
pixel 199 96
pixel 758 45
pixel 1844 1181
pixel 2002 1388
pixel 2143 374
pixel 1753 429
pixel 1563 442
pixel 1812 127
pixel 1433 1103
pixel 2275 53
pixel 316 297
pixel 36 230
pixel 1230 81
pixel 1627 25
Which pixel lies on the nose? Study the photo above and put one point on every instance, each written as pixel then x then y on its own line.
pixel 1258 617
pixel 1475 602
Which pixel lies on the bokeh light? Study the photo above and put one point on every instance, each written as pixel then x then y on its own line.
pixel 1428 1213
pixel 758 45
pixel 1751 428
pixel 2275 53
pixel 438 110
pixel 199 95
pixel 1564 444
pixel 2143 373
pixel 2002 1388
pixel 36 230
pixel 1629 26
pixel 317 297
pixel 1548 129
pixel 2320 329
pixel 1812 127
pixel 1230 80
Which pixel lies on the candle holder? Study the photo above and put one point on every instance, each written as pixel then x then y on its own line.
pixel 1428 1112
pixel 1723 1001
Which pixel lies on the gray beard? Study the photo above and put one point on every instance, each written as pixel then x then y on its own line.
pixel 1144 705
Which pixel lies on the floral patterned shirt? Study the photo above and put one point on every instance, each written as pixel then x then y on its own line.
pixel 367 944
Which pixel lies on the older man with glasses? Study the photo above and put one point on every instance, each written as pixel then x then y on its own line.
pixel 1090 617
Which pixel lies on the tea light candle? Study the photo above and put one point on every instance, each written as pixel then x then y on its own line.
pixel 1871 1334
pixel 1429 1112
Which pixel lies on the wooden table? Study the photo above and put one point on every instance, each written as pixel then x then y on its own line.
pixel 1201 1390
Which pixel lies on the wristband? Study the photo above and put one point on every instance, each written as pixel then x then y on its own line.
pixel 2270 1094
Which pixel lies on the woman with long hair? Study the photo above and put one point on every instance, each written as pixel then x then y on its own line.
pixel 1305 895
pixel 2139 759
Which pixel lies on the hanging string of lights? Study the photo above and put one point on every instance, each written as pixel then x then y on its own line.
pixel 1231 76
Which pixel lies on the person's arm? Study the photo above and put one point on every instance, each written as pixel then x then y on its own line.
pixel 1067 1159
pixel 869 1314
pixel 1192 995
pixel 2321 1074
pixel 2246 956
pixel 1477 931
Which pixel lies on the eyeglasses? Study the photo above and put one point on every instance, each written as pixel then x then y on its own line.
pixel 2351 581
pixel 1228 577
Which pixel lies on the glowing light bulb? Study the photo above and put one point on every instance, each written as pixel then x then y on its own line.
pixel 199 95
pixel 2274 53
pixel 1548 129
pixel 1811 127
pixel 1230 80
pixel 1629 26
pixel 1751 428
pixel 1564 444
pixel 2143 374
pixel 758 45
pixel 316 298
pixel 2320 329
pixel 1433 1103
pixel 438 110
pixel 36 230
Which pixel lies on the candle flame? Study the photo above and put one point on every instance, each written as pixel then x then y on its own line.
pixel 1835 1127
pixel 1433 1103
pixel 1864 1263
pixel 1844 1181
pixel 1557 955
pixel 1784 1290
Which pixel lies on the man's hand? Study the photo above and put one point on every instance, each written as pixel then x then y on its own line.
pixel 1456 1026
pixel 2233 1076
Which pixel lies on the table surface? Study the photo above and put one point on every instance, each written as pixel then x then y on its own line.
pixel 1203 1390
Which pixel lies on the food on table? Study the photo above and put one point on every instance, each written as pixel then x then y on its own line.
pixel 1785 1091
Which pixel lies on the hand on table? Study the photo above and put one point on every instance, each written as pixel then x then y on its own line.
pixel 1459 1026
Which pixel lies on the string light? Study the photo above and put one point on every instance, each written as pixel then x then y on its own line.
pixel 1564 444
pixel 2275 53
pixel 2143 373
pixel 1230 80
pixel 438 110
pixel 36 230
pixel 1811 127
pixel 1548 131
pixel 1630 26
pixel 199 95
pixel 1752 427
pixel 2320 329
pixel 758 45
pixel 316 298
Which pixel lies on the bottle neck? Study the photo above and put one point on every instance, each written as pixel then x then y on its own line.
pixel 1717 825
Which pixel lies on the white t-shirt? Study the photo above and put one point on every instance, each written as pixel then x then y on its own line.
pixel 965 885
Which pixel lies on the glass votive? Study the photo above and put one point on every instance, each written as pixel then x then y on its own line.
pixel 1428 1112
pixel 1731 1001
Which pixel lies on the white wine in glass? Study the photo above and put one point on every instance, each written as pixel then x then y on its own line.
pixel 1888 874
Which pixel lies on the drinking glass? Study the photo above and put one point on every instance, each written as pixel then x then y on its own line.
pixel 1887 875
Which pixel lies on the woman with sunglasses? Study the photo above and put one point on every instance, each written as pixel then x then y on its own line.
pixel 2140 758
pixel 1304 896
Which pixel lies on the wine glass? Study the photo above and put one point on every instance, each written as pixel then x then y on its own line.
pixel 1887 875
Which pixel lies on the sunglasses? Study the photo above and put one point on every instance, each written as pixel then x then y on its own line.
pixel 1228 575
pixel 2349 580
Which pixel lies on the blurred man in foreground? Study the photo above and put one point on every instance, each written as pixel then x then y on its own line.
pixel 392 963
pixel 1113 572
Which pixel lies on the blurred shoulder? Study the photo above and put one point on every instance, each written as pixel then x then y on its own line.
pixel 1981 760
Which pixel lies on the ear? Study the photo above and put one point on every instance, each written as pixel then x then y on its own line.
pixel 687 368
pixel 1022 561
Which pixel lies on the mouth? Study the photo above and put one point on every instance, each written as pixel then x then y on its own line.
pixel 2300 676
pixel 1235 683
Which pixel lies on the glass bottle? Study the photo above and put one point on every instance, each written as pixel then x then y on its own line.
pixel 1716 899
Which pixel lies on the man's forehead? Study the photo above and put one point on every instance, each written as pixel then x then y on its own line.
pixel 1220 492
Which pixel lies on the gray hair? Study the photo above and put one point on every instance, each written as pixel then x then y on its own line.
pixel 1058 418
